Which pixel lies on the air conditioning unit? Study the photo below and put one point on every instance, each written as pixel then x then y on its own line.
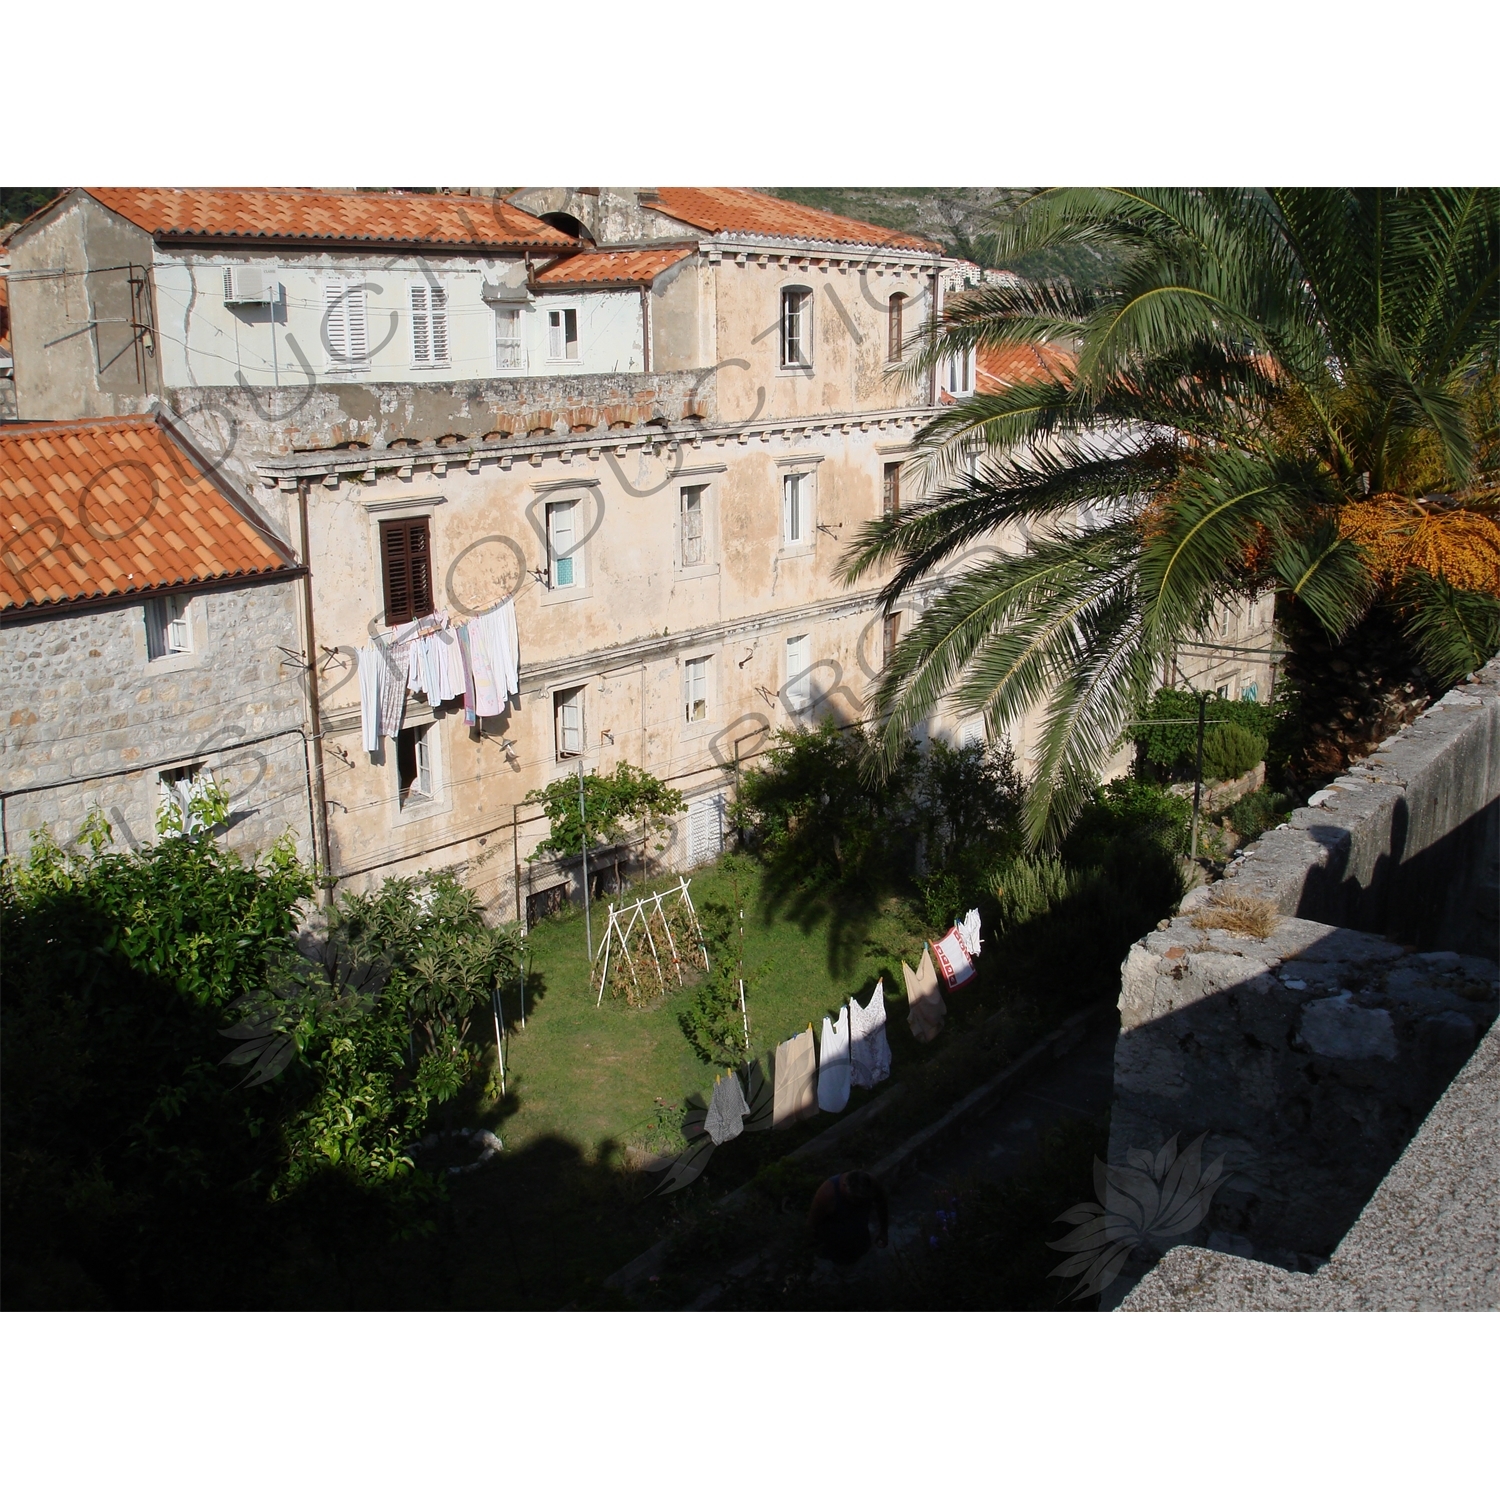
pixel 249 284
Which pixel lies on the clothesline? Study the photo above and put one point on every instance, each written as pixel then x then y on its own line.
pixel 809 1079
pixel 478 661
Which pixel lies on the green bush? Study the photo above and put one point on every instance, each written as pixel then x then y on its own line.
pixel 1165 751
pixel 1030 887
pixel 1229 750
pixel 1251 816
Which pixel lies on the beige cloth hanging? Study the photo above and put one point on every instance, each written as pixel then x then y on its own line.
pixel 926 1000
pixel 796 1093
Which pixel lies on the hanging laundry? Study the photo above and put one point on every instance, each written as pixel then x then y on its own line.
pixel 926 1001
pixel 968 930
pixel 796 1077
pixel 465 652
pixel 369 697
pixel 869 1051
pixel 726 1109
pixel 395 657
pixel 833 1064
pixel 953 959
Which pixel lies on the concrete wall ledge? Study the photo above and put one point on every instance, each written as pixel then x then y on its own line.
pixel 1381 848
pixel 1429 1239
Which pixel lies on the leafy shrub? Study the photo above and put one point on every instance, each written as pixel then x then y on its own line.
pixel 827 831
pixel 1030 887
pixel 1132 810
pixel 1166 751
pixel 711 1018
pixel 1230 750
pixel 1252 815
pixel 628 798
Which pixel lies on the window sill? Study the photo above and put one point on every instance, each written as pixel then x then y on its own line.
pixel 698 570
pixel 445 365
pixel 181 661
pixel 701 729
pixel 799 549
pixel 570 595
pixel 793 372
pixel 419 808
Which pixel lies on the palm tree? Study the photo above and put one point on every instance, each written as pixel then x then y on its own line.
pixel 1284 389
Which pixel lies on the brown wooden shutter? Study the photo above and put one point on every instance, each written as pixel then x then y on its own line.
pixel 406 564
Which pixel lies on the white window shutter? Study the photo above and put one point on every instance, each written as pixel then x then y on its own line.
pixel 335 320
pixel 554 335
pixel 438 300
pixel 421 343
pixel 354 304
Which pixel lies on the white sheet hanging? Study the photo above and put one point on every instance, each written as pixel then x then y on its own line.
pixel 869 1050
pixel 369 697
pixel 833 1064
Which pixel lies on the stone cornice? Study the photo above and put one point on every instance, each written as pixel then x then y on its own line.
pixel 334 466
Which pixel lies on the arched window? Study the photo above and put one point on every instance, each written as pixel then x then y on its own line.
pixel 796 327
pixel 894 308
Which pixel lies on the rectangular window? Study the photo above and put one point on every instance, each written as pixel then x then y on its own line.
pixel 890 493
pixel 414 764
pixel 961 373
pixel 406 566
pixel 798 684
pixel 567 714
pixel 562 333
pixel 694 551
pixel 794 517
pixel 429 325
pixel 169 632
pixel 695 689
pixel 345 331
pixel 796 327
pixel 892 635
pixel 894 310
pixel 565 561
pixel 510 352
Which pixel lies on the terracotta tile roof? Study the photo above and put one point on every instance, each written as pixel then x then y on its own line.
pixel 613 267
pixel 994 369
pixel 740 211
pixel 298 215
pixel 107 508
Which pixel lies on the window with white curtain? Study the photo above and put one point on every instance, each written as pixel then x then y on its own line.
pixel 694 542
pixel 695 689
pixel 510 352
pixel 795 509
pixel 564 555
pixel 798 676
pixel 562 333
pixel 429 324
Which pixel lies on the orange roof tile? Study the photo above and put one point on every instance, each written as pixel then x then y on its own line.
pixel 293 215
pixel 613 267
pixel 111 507
pixel 741 211
pixel 994 369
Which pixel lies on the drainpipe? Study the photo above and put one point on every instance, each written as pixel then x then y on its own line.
pixel 932 375
pixel 320 789
pixel 646 329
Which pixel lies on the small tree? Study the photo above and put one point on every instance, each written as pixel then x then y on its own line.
pixel 627 800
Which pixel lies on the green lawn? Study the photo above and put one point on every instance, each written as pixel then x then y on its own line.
pixel 612 1076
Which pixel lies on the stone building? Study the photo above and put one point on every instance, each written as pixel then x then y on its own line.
pixel 148 636
pixel 653 419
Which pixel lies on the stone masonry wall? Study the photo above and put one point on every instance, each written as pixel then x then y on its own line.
pixel 82 701
pixel 1287 1011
